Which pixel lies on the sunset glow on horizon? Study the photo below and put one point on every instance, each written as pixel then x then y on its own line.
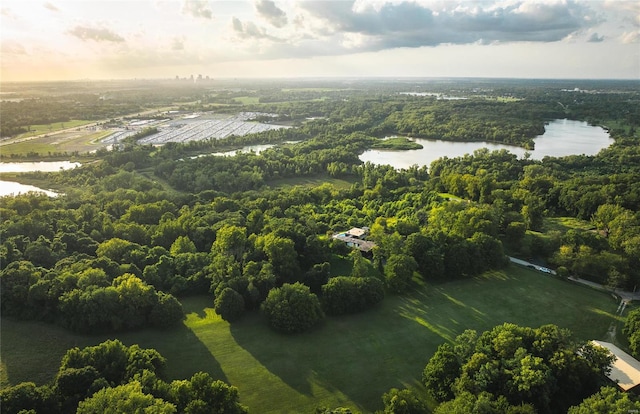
pixel 64 40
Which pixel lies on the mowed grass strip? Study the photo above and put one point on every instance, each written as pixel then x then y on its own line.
pixel 347 361
pixel 81 141
pixel 53 127
pixel 312 181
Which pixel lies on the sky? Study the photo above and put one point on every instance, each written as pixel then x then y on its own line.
pixel 123 39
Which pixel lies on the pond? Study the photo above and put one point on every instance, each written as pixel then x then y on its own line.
pixel 11 188
pixel 45 166
pixel 562 137
pixel 257 149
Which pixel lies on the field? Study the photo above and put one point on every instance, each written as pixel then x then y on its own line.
pixel 49 128
pixel 312 181
pixel 349 361
pixel 564 224
pixel 82 141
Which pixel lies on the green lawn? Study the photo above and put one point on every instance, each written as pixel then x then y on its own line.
pixel 312 181
pixel 81 141
pixel 247 100
pixel 56 126
pixel 348 361
pixel 563 224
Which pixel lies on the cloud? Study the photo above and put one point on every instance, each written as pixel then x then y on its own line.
pixel 177 43
pixel 5 12
pixel 268 10
pixel 410 24
pixel 51 7
pixel 249 30
pixel 594 38
pixel 10 47
pixel 629 9
pixel 97 34
pixel 631 37
pixel 197 8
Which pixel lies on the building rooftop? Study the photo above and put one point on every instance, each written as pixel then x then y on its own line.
pixel 357 232
pixel 625 370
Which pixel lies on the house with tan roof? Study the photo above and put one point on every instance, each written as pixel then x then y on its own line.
pixel 625 370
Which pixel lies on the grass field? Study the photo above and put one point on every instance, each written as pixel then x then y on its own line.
pixel 563 224
pixel 56 126
pixel 247 100
pixel 81 141
pixel 349 361
pixel 312 181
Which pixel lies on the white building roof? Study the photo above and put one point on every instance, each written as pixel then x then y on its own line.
pixel 625 370
pixel 357 232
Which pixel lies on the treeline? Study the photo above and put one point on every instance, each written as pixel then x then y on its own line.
pixel 17 117
pixel 41 104
pixel 514 369
pixel 111 377
pixel 514 123
pixel 124 244
pixel 526 191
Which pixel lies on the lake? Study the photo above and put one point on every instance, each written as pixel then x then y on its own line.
pixel 10 187
pixel 562 137
pixel 45 166
pixel 13 188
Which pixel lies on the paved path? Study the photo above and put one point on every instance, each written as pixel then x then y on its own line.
pixel 624 295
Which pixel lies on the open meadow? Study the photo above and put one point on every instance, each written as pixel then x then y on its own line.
pixel 80 140
pixel 348 361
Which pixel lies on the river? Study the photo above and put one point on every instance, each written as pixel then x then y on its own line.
pixel 562 137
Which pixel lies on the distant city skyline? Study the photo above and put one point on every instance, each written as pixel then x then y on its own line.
pixel 118 39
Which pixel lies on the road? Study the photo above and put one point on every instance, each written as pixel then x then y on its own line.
pixel 624 295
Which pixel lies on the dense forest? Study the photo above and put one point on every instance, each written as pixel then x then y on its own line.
pixel 139 227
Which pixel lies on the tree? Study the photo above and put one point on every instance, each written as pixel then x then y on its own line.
pixel 427 255
pixel 26 396
pixel 166 312
pixel 116 249
pixel 606 401
pixel 127 398
pixel 514 234
pixel 292 308
pixel 282 255
pixel 359 268
pixel 114 362
pixel 15 281
pixel 533 213
pixel 632 330
pixel 398 272
pixel 542 367
pixel 317 276
pixel 136 299
pixel 345 294
pixel 616 279
pixel 605 215
pixel 182 245
pixel 77 383
pixel 403 402
pixel 491 255
pixel 440 373
pixel 229 304
pixel 202 394
pixel 230 241
pixel 484 403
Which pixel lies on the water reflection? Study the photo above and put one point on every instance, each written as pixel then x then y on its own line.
pixel 562 137
pixel 13 188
